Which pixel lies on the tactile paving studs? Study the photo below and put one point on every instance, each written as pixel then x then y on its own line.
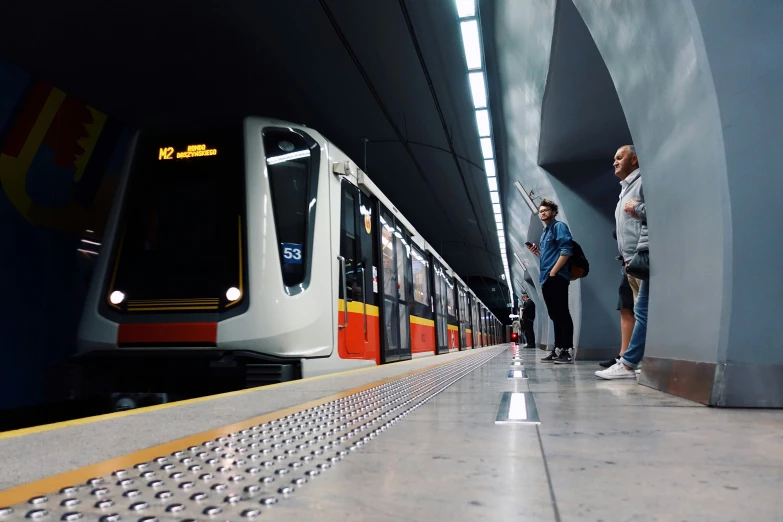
pixel 70 517
pixel 139 506
pixel 175 508
pixel 295 448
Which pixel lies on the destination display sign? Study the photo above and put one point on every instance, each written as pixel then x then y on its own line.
pixel 191 151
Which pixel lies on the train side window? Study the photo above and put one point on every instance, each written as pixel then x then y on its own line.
pixel 291 165
pixel 348 244
pixel 421 290
pixel 450 296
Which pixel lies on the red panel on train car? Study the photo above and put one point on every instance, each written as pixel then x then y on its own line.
pixel 352 342
pixel 422 335
pixel 453 337
pixel 167 333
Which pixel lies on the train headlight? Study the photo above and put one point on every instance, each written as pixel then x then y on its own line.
pixel 233 293
pixel 116 297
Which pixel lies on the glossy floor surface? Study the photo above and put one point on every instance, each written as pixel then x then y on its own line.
pixel 604 451
pixel 426 447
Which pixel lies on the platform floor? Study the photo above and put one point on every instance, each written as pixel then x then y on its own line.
pixel 421 444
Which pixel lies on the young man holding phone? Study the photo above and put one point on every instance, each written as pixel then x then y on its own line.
pixel 555 249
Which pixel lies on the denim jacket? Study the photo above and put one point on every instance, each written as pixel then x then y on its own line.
pixel 555 241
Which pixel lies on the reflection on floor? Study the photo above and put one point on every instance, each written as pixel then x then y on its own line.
pixel 605 450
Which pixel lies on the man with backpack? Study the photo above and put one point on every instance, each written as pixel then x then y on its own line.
pixel 555 251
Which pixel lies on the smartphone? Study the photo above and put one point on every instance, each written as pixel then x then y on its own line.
pixel 528 243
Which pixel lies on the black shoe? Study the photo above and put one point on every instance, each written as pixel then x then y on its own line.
pixel 550 358
pixel 610 362
pixel 565 357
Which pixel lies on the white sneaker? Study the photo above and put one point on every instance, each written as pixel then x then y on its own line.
pixel 618 371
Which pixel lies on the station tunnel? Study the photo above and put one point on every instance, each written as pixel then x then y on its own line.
pixel 203 202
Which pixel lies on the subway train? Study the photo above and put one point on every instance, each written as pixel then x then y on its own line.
pixel 245 256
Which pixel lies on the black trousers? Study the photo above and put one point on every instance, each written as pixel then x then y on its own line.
pixel 555 292
pixel 530 335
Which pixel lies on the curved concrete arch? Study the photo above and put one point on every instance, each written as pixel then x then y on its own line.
pixel 656 57
pixel 701 86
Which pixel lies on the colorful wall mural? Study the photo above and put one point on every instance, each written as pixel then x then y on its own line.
pixel 60 161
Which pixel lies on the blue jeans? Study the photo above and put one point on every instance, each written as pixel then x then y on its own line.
pixel 633 356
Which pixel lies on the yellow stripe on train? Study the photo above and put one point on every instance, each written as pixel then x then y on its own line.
pixel 415 319
pixel 357 307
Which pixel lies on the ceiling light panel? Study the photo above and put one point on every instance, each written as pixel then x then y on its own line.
pixel 478 89
pixel 471 44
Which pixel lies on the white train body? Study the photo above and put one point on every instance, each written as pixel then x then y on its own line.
pixel 228 257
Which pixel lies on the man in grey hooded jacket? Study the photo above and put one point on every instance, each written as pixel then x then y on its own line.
pixel 625 368
pixel 626 167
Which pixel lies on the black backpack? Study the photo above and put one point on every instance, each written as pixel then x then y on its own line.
pixel 580 266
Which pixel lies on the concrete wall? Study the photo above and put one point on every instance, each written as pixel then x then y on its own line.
pixel 743 42
pixel 701 86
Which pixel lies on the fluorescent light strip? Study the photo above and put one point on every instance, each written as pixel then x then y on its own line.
pixel 466 8
pixel 482 121
pixel 288 157
pixel 479 89
pixel 489 168
pixel 471 43
pixel 486 148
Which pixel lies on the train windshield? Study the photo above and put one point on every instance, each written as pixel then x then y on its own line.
pixel 180 242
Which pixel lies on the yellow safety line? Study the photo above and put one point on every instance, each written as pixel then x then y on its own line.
pixel 56 482
pixel 120 414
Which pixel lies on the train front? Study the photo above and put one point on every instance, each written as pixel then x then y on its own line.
pixel 191 247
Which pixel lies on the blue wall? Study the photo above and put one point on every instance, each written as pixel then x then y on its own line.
pixel 47 207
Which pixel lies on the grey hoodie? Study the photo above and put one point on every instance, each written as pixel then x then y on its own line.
pixel 640 209
pixel 629 230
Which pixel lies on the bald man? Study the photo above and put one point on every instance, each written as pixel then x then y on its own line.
pixel 629 230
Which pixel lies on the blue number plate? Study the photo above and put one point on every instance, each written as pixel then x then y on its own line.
pixel 292 253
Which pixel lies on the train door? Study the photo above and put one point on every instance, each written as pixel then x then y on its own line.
pixel 451 311
pixel 358 324
pixel 469 329
pixel 422 309
pixel 441 319
pixel 462 311
pixel 396 275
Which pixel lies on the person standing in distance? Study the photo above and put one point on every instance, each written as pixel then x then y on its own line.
pixel 556 247
pixel 528 316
